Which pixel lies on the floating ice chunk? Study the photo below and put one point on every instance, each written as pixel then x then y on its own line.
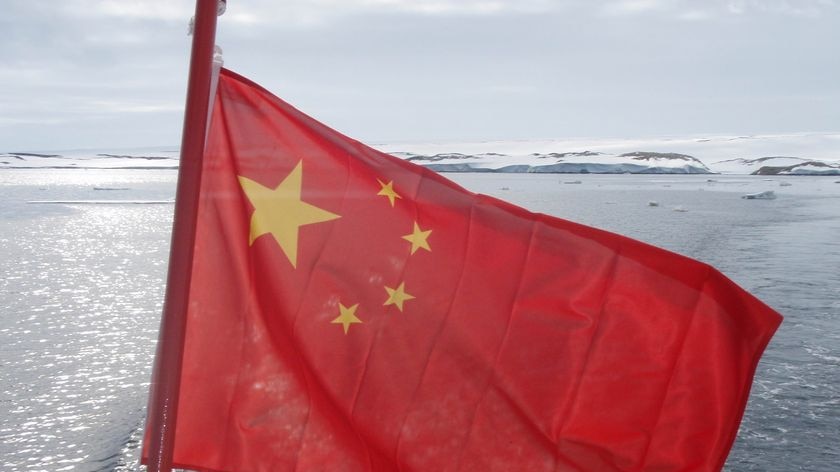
pixel 101 202
pixel 766 195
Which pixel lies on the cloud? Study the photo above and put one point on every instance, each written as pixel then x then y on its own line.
pixel 708 9
pixel 426 69
pixel 635 6
pixel 16 121
pixel 297 13
pixel 808 8
pixel 136 106
pixel 170 10
pixel 479 7
pixel 695 15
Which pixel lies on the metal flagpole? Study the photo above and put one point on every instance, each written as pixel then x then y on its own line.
pixel 163 397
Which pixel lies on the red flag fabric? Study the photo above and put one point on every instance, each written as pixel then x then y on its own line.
pixel 350 311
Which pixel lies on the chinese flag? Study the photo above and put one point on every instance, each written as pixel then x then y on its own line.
pixel 350 311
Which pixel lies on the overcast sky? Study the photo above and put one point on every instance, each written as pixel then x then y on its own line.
pixel 112 73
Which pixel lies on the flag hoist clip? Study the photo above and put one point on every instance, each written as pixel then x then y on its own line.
pixel 218 62
pixel 220 10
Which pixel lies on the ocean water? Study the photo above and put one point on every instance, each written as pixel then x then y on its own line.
pixel 81 292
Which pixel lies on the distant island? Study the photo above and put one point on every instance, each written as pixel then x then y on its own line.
pixel 788 154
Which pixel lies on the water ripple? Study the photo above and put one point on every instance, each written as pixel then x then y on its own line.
pixel 83 285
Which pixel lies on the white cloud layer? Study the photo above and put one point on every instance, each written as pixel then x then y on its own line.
pixel 708 9
pixel 96 73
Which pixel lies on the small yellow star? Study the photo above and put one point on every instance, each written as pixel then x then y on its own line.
pixel 347 316
pixel 418 239
pixel 397 296
pixel 388 191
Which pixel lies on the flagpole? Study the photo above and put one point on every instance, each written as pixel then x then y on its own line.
pixel 163 398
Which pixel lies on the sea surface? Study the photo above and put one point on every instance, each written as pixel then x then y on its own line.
pixel 81 290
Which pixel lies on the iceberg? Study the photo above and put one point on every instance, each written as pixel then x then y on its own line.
pixel 766 195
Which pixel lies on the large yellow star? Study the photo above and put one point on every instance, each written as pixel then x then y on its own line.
pixel 347 316
pixel 387 190
pixel 280 212
pixel 397 296
pixel 418 239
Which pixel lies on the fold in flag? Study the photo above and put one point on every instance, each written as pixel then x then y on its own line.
pixel 350 311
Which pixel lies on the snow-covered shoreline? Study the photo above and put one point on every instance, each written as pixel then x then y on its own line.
pixel 788 154
pixel 165 157
pixel 784 154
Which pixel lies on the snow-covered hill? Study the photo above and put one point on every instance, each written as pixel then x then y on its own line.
pixel 811 153
pixel 805 153
pixel 138 158
pixel 586 162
